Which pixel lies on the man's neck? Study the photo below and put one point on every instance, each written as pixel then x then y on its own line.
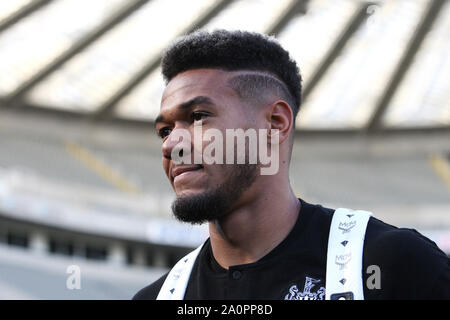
pixel 253 229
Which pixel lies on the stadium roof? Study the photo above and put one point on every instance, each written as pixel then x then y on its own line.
pixel 367 66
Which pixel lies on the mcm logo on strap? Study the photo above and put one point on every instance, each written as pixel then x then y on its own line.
pixel 346 227
pixel 343 259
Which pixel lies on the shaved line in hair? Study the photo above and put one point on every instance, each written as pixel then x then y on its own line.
pixel 258 87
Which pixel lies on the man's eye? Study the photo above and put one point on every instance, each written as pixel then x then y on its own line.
pixel 164 132
pixel 197 116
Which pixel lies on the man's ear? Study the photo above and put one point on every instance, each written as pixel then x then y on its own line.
pixel 279 116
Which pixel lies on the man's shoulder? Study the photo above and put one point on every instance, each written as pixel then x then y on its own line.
pixel 411 265
pixel 395 240
pixel 151 291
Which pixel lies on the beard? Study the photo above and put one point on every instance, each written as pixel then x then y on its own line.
pixel 216 203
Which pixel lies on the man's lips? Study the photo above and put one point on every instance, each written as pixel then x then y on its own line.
pixel 179 170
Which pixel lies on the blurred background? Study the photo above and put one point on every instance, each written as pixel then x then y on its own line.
pixel 81 182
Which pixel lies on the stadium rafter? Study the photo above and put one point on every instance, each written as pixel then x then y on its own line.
pixel 22 12
pixel 408 56
pixel 105 110
pixel 14 98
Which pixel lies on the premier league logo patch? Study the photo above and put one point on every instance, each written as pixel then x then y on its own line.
pixel 311 291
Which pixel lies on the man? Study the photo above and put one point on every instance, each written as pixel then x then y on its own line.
pixel 264 242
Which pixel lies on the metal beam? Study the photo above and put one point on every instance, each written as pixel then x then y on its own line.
pixel 295 8
pixel 106 109
pixel 428 18
pixel 14 98
pixel 334 51
pixel 21 13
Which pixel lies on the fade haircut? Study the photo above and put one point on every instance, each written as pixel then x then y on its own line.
pixel 270 65
pixel 257 88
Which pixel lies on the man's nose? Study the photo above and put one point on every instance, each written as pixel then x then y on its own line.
pixel 177 142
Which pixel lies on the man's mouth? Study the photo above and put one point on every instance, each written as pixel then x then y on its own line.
pixel 185 170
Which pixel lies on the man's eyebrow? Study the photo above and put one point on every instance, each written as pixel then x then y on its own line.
pixel 198 100
pixel 159 118
pixel 195 101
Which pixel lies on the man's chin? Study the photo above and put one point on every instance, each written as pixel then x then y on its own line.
pixel 200 207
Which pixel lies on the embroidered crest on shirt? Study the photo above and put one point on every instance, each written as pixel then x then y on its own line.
pixel 311 291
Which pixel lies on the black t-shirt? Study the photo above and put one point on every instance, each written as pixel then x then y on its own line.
pixel 398 263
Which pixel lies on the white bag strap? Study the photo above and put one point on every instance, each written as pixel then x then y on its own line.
pixel 174 287
pixel 344 272
pixel 344 260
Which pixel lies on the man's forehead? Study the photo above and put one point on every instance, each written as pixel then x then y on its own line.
pixel 205 81
pixel 201 81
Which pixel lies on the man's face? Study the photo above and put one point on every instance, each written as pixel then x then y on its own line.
pixel 191 96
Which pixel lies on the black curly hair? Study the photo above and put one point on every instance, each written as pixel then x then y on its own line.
pixel 234 51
